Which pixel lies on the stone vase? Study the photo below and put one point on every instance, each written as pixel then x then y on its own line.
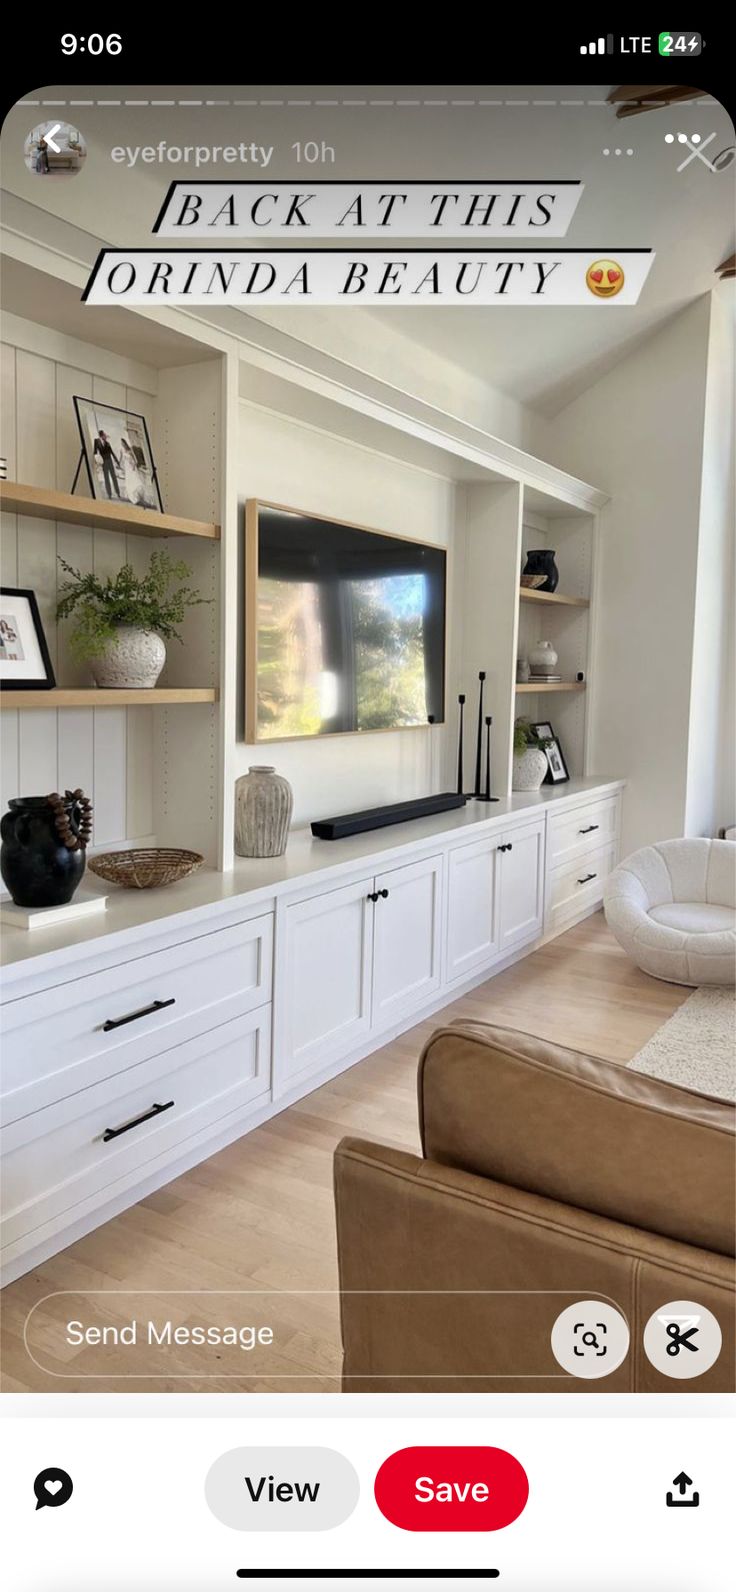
pixel 264 802
pixel 132 659
pixel 543 658
pixel 530 768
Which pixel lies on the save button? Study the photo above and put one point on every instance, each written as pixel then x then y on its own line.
pixel 451 1489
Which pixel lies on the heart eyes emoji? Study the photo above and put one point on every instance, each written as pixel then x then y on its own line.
pixel 605 278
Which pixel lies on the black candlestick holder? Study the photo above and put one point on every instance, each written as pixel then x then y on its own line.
pixel 461 704
pixel 486 795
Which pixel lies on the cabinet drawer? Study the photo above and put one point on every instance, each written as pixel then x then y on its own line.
pixel 585 829
pixel 579 885
pixel 74 1149
pixel 70 1037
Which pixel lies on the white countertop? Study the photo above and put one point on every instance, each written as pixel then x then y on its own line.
pixel 136 915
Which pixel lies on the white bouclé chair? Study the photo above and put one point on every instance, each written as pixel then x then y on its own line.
pixel 673 909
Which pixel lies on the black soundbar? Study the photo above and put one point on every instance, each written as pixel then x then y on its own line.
pixel 380 817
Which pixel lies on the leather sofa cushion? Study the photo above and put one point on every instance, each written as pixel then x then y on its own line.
pixel 506 1105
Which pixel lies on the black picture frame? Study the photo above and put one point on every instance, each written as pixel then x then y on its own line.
pixel 41 682
pixel 557 769
pixel 143 463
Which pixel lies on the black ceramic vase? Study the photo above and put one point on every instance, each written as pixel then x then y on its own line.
pixel 42 859
pixel 541 561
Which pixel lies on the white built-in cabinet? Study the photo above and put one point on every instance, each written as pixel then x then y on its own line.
pixel 521 886
pixel 354 961
pixel 495 897
pixel 143 1052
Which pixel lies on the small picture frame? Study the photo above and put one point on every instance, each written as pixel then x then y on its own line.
pixel 118 455
pixel 557 770
pixel 25 664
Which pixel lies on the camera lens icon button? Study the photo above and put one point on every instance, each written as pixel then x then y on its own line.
pixel 590 1339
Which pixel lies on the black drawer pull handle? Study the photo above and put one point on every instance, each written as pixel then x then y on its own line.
pixel 588 878
pixel 589 829
pixel 155 1111
pixel 132 1017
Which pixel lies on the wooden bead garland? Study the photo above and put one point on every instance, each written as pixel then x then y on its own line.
pixel 74 840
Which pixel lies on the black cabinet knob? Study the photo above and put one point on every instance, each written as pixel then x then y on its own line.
pixel 373 895
pixel 383 893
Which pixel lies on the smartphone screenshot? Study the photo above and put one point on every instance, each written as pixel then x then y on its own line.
pixel 368 816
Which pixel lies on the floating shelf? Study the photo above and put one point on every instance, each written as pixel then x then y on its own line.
pixel 527 595
pixel 43 503
pixel 535 688
pixel 98 697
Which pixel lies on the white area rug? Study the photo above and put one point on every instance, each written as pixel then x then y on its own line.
pixel 696 1047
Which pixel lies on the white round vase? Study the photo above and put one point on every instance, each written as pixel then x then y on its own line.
pixel 543 658
pixel 264 801
pixel 530 768
pixel 133 658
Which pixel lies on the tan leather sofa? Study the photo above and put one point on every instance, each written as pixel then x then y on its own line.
pixel 547 1177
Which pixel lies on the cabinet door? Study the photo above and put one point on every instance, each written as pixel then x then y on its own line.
pixel 521 885
pixel 323 981
pixel 406 939
pixel 472 913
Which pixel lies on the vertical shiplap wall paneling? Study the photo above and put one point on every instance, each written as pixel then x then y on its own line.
pixel 9 785
pixel 110 724
pixel 187 444
pixel 35 407
pixel 139 727
pixel 75 726
pixel 109 752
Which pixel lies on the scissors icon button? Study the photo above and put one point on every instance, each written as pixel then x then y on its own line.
pixel 680 1340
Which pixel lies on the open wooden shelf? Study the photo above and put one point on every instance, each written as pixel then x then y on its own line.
pixel 537 687
pixel 43 503
pixel 98 697
pixel 527 595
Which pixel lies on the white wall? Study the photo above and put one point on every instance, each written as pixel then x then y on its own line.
pixel 711 802
pixel 106 752
pixel 289 463
pixel 638 434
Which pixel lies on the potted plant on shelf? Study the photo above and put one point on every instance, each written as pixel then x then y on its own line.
pixel 530 758
pixel 123 622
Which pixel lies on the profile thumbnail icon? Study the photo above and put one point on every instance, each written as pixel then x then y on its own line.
pixel 55 149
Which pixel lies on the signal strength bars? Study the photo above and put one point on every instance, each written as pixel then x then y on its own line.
pixel 598 46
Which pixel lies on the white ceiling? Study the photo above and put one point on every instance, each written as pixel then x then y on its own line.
pixel 543 359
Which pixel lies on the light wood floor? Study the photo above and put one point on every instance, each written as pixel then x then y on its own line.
pixel 259 1214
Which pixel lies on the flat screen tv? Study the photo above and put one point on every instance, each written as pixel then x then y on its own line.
pixel 345 627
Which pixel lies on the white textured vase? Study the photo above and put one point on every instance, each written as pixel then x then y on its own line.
pixel 530 768
pixel 263 806
pixel 543 658
pixel 132 658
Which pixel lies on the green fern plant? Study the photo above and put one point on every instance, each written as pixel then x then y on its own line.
pixel 156 601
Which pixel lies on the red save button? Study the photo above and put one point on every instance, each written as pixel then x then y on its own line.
pixel 451 1489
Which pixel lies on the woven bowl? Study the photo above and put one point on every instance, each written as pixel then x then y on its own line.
pixel 533 581
pixel 144 867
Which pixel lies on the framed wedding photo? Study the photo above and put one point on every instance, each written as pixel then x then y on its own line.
pixel 557 770
pixel 25 664
pixel 118 455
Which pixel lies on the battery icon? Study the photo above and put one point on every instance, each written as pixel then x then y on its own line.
pixel 682 44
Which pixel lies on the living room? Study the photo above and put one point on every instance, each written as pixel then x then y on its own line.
pixel 190 1065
